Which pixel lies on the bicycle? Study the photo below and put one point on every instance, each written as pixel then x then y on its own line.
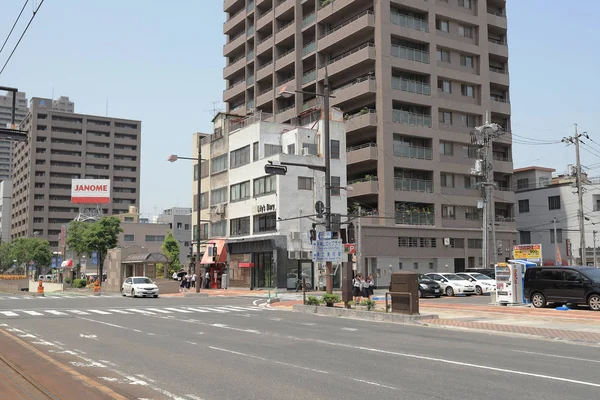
pixel 307 287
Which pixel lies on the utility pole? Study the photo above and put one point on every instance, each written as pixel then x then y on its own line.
pixel 555 243
pixel 483 137
pixel 329 264
pixel 576 139
pixel 595 258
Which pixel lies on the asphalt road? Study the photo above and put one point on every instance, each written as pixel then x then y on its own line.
pixel 226 348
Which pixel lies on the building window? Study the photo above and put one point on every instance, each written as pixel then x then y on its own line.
pixel 305 183
pixel 465 3
pixel 475 243
pixel 217 133
pixel 409 241
pixel 265 222
pixel 442 25
pixel 129 238
pixel 265 185
pixel 399 265
pixel 470 151
pixel 39 197
pixel 272 149
pixel 291 149
pixel 155 238
pixel 444 85
pixel 335 149
pixel 204 169
pixel 472 182
pixel 558 233
pixel 524 206
pixel 554 203
pixel 467 90
pixel 218 196
pixel 218 164
pixel 203 201
pixel 186 227
pixel 447 180
pixel 203 231
pixel 466 61
pixel 416 265
pixel 239 191
pixel 445 117
pixel 457 243
pixel 522 183
pixel 469 120
pixel 465 31
pixel 128 219
pixel 448 212
pixel 335 185
pixel 239 226
pixel 240 157
pixel 255 151
pixel 195 172
pixel 431 265
pixel 443 55
pixel 446 148
pixel 38 220
pixel 525 237
pixel 218 229
pixel 472 214
pixel 311 149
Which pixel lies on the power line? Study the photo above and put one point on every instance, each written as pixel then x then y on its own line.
pixel 13 27
pixel 23 34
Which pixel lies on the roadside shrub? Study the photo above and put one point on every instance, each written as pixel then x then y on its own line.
pixel 313 301
pixel 370 304
pixel 12 277
pixel 79 283
pixel 67 280
pixel 330 298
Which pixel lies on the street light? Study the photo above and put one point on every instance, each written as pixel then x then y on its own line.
pixel 199 159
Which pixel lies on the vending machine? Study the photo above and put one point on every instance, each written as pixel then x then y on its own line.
pixel 509 283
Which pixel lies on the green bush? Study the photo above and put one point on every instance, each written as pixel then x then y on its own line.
pixel 313 301
pixel 79 283
pixel 67 280
pixel 370 304
pixel 331 298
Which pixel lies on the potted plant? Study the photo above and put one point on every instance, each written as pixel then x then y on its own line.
pixel 330 299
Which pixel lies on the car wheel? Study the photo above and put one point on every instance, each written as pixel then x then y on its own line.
pixel 538 300
pixel 420 295
pixel 478 290
pixel 123 292
pixel 437 296
pixel 155 296
pixel 594 302
pixel 468 294
pixel 449 291
pixel 133 293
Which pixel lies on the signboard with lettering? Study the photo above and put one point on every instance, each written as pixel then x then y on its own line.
pixel 328 250
pixel 349 248
pixel 264 208
pixel 528 252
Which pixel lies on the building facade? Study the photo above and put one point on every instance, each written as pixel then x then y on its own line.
pixel 21 110
pixel 413 78
pixel 179 220
pixel 541 198
pixel 263 221
pixel 5 209
pixel 63 146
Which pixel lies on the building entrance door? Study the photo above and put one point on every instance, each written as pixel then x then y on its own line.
pixel 264 275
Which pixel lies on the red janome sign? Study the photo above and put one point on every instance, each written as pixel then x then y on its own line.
pixel 90 191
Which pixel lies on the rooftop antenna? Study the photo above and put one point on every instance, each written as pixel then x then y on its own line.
pixel 215 110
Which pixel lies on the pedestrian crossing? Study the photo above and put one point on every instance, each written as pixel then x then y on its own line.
pixel 59 296
pixel 145 311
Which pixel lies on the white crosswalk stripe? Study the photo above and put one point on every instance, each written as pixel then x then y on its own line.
pixel 159 311
pixel 135 310
pixel 79 312
pixel 180 310
pixel 198 310
pixel 54 312
pixel 120 311
pixel 32 312
pixel 9 313
pixel 99 312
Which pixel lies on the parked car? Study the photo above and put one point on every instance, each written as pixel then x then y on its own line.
pixel 139 286
pixel 575 285
pixel 428 287
pixel 483 283
pixel 491 272
pixel 452 284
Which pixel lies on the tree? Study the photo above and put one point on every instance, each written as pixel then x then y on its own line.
pixel 25 250
pixel 170 247
pixel 5 260
pixel 101 236
pixel 74 240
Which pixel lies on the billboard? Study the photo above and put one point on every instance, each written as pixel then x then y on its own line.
pixel 528 252
pixel 90 191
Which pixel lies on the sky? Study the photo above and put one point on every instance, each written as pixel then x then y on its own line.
pixel 161 62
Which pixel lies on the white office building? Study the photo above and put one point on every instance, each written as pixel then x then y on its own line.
pixel 262 222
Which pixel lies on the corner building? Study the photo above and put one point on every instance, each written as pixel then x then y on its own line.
pixel 413 78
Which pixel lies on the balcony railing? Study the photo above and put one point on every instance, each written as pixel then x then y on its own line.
pixel 309 76
pixel 409 118
pixel 409 22
pixel 413 185
pixel 236 36
pixel 251 104
pixel 250 55
pixel 240 57
pixel 250 31
pixel 250 6
pixel 250 80
pixel 290 51
pixel 360 146
pixel 499 99
pixel 410 151
pixel 410 54
pixel 286 80
pixel 503 187
pixel 265 39
pixel 411 86
pixel 286 109
pixel 350 52
pixel 367 178
pixel 501 157
pixel 415 218
pixel 235 15
pixel 285 26
pixel 309 19
pixel 498 13
pixel 499 70
pixel 309 48
pixel 497 41
pixel 502 218
pixel 355 82
pixel 265 65
pixel 364 111
pixel 234 84
pixel 347 22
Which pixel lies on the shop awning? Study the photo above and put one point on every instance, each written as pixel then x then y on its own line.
pixel 67 264
pixel 216 247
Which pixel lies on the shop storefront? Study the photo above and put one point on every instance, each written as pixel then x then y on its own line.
pixel 298 269
pixel 214 261
pixel 254 263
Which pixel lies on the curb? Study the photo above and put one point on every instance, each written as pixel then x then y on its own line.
pixel 364 315
pixel 195 295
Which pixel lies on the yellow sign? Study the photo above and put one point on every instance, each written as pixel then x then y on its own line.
pixel 529 252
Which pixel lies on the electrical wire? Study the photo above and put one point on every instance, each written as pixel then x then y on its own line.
pixel 13 27
pixel 23 34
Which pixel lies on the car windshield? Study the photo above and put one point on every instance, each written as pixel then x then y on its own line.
pixel 481 277
pixel 424 278
pixel 452 277
pixel 141 280
pixel 592 273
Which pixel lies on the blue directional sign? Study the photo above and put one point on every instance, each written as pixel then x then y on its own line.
pixel 94 258
pixel 328 250
pixel 59 261
pixel 53 262
pixel 325 235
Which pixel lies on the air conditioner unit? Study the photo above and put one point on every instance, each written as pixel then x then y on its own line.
pixel 306 255
pixel 295 235
pixel 305 151
pixel 213 210
pixel 292 255
pixel 446 241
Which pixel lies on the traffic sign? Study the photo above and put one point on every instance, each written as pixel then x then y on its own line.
pixel 328 250
pixel 325 235
pixel 94 258
pixel 349 248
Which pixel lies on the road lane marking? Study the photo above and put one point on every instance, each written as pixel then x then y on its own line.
pixel 350 329
pixel 214 309
pixel 246 308
pixel 234 329
pixel 159 311
pixel 99 312
pixel 79 312
pixel 53 312
pixel 9 313
pixel 82 335
pixel 557 356
pixel 109 324
pixel 193 397
pixel 32 312
pixel 232 309
pixel 309 323
pixel 198 309
pixel 374 384
pixel 120 311
pixel 135 310
pixel 178 310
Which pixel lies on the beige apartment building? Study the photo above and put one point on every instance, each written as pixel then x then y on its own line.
pixel 63 146
pixel 413 78
pixel 21 110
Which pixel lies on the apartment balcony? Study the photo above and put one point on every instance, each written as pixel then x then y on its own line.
pixel 413 185
pixel 499 76
pixel 500 105
pixel 234 44
pixel 286 113
pixel 350 31
pixel 264 71
pixel 72 136
pixel 285 32
pixel 264 98
pixel 229 5
pixel 354 91
pixel 333 9
pixel 413 90
pixel 234 90
pixel 283 7
pixel 361 122
pixel 355 57
pixel 505 223
pixel 496 18
pixel 453 11
pixel 235 22
pixel 409 118
pixel 236 67
pixel 364 155
pixel 309 20
pixel 265 45
pixel 412 217
pixel 410 54
pixel 498 47
pixel 72 159
pixel 285 59
pixel 366 186
pixel 309 49
pixel 416 152
pixel 409 27
pixel 309 77
pixel 420 5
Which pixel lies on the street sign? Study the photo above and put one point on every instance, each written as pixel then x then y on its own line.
pixel 53 262
pixel 324 235
pixel 349 248
pixel 94 258
pixel 328 250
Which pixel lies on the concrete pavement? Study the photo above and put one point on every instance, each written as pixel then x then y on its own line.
pixel 272 354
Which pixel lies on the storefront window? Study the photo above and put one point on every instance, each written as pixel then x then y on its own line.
pixel 264 275
pixel 240 270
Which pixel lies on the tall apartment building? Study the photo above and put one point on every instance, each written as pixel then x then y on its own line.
pixel 413 78
pixel 63 146
pixel 21 110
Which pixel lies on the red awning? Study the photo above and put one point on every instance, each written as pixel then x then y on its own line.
pixel 67 264
pixel 217 246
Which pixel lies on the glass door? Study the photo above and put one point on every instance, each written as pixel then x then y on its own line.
pixel 263 270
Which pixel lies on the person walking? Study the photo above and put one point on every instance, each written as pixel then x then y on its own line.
pixel 365 288
pixel 371 286
pixel 207 279
pixel 194 280
pixel 356 289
